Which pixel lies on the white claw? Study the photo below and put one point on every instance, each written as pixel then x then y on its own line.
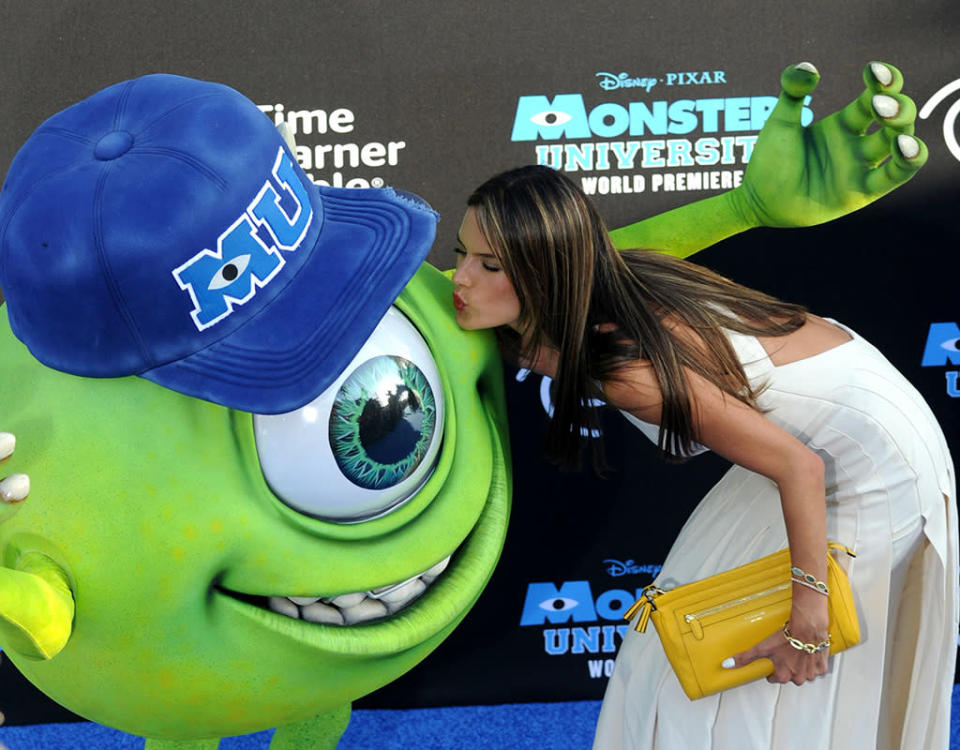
pixel 882 73
pixel 14 488
pixel 908 145
pixel 303 601
pixel 284 606
pixel 322 613
pixel 809 67
pixel 885 106
pixel 7 443
pixel 368 609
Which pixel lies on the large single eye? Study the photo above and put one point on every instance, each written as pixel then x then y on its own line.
pixel 229 272
pixel 550 117
pixel 367 444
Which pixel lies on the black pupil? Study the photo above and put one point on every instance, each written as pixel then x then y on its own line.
pixel 389 431
pixel 230 272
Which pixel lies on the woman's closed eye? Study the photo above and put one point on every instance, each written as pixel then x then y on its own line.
pixel 489 263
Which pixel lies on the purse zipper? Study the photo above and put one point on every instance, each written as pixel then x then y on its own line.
pixel 693 619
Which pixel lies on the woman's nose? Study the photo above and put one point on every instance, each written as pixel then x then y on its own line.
pixel 460 276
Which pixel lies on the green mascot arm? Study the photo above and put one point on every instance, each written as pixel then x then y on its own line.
pixel 801 176
pixel 36 604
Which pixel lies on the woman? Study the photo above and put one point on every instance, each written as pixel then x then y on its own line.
pixel 827 438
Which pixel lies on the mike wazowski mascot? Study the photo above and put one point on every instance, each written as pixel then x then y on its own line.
pixel 270 472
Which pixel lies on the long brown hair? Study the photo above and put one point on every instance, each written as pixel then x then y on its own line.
pixel 571 283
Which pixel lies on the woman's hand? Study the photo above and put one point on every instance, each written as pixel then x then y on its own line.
pixel 14 488
pixel 808 623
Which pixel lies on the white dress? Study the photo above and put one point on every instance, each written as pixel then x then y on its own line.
pixel 890 497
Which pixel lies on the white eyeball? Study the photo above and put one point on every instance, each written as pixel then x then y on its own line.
pixel 365 445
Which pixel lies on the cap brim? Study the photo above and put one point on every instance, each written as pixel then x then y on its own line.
pixel 296 346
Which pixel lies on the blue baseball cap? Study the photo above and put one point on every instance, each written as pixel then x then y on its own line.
pixel 162 228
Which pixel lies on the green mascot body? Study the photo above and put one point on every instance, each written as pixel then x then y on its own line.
pixel 136 585
pixel 154 506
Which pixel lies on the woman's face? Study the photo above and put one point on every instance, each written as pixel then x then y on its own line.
pixel 483 295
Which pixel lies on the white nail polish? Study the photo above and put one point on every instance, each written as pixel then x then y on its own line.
pixel 882 73
pixel 7 443
pixel 728 663
pixel 15 488
pixel 885 106
pixel 908 145
pixel 809 67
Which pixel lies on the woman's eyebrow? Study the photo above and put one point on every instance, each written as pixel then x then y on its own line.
pixel 479 255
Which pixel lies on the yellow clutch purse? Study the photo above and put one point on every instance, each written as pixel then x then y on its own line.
pixel 702 623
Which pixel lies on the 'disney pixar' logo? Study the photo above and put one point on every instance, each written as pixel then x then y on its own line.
pixel 248 253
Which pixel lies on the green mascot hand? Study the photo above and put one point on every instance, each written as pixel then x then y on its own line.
pixel 36 603
pixel 801 176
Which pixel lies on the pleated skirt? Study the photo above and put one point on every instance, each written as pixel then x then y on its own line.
pixel 890 497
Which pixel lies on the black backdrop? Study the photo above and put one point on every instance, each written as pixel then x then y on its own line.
pixel 441 81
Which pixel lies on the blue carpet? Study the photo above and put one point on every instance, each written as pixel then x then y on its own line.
pixel 528 726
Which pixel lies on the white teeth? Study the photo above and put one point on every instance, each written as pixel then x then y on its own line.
pixel 322 613
pixel 345 601
pixel 383 593
pixel 349 609
pixel 436 570
pixel 284 606
pixel 401 597
pixel 368 609
pixel 304 601
pixel 404 593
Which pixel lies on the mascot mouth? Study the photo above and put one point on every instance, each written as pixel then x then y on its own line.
pixel 354 608
pixel 403 615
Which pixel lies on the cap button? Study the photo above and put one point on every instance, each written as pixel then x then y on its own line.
pixel 112 145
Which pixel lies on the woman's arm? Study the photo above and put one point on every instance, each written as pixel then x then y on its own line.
pixel 746 437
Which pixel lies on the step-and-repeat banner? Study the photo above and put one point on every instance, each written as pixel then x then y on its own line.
pixel 647 105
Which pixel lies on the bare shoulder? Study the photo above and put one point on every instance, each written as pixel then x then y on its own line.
pixel 814 337
pixel 634 388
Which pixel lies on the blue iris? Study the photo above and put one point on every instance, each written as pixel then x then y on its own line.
pixel 382 422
